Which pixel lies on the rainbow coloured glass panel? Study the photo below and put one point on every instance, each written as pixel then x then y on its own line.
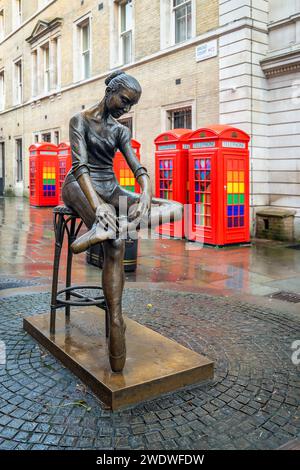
pixel 49 180
pixel 166 178
pixel 127 180
pixel 235 193
pixel 202 190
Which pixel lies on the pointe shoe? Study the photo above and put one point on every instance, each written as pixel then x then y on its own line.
pixel 117 347
pixel 90 238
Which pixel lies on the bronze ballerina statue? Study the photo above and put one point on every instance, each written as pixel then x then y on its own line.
pixel 92 190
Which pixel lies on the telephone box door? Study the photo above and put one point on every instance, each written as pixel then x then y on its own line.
pixel 236 207
pixel 202 196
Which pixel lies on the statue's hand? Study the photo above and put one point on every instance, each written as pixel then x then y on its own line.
pixel 141 209
pixel 106 218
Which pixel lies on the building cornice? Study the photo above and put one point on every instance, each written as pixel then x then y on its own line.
pixel 284 21
pixel 281 63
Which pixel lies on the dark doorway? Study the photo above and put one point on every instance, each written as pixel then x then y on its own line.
pixel 19 160
pixel 2 168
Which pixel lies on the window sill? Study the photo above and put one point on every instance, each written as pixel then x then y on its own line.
pixel 51 95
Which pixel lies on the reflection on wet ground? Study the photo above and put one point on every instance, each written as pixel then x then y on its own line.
pixel 26 240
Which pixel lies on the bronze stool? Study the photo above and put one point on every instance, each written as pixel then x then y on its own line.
pixel 65 221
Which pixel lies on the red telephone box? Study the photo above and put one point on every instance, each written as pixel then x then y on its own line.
pixel 123 172
pixel 65 164
pixel 171 168
pixel 43 171
pixel 219 186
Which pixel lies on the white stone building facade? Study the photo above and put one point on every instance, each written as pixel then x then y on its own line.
pixel 260 92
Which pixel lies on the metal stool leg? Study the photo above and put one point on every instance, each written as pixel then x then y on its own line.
pixel 59 233
pixel 71 238
pixel 106 323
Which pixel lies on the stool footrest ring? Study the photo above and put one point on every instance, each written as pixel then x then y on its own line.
pixel 85 300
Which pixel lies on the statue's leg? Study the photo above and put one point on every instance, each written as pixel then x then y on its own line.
pixel 162 210
pixel 74 198
pixel 113 279
pixel 112 275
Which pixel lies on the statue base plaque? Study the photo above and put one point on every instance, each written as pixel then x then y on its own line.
pixel 155 365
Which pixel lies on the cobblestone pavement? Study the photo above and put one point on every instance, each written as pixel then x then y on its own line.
pixel 252 403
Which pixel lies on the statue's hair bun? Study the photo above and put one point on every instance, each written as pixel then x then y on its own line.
pixel 113 75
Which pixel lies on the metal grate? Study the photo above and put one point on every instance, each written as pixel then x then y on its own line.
pixel 286 296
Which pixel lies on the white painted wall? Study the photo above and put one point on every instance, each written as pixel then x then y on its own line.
pixel 243 86
pixel 267 108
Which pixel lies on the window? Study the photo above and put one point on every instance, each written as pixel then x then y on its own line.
pixel 56 75
pixel 46 64
pixel 46 137
pixel 85 50
pixel 182 19
pixel 17 13
pixel 34 81
pixel 56 137
pixel 46 67
pixel 180 118
pixel 82 50
pixel 128 123
pixel 178 21
pixel 2 32
pixel 18 78
pixel 19 154
pixel 125 9
pixel 2 91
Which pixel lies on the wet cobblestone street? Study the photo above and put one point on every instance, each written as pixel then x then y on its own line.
pixel 211 301
pixel 253 401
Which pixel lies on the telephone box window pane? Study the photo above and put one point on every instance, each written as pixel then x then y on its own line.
pixel 166 179
pixel 202 192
